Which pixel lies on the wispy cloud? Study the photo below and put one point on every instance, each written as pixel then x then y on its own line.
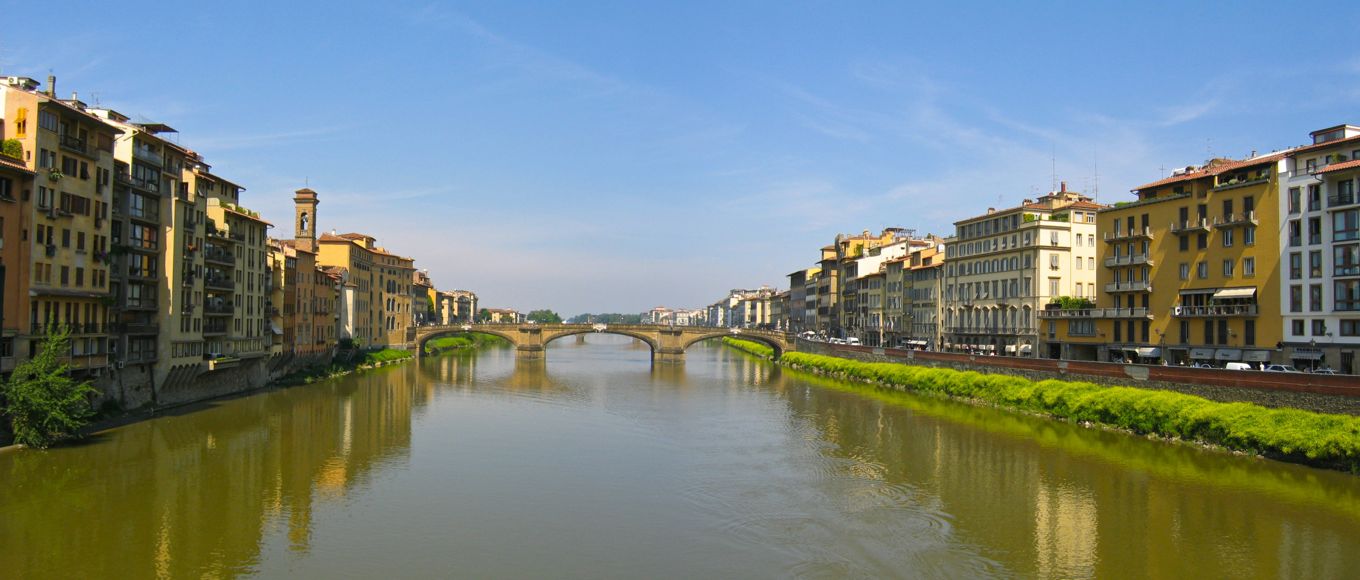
pixel 254 140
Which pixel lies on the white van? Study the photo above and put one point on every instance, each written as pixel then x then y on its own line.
pixel 1238 366
pixel 852 340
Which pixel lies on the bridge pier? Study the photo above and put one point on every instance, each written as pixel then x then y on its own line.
pixel 669 355
pixel 529 351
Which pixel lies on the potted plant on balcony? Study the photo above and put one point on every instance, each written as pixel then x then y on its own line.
pixel 54 175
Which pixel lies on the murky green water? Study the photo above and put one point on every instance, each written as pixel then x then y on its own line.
pixel 595 464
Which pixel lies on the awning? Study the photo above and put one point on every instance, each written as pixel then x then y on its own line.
pixel 1010 348
pixel 1256 355
pixel 1230 293
pixel 1026 348
pixel 1202 353
pixel 275 328
pixel 1307 354
pixel 1228 354
pixel 1150 352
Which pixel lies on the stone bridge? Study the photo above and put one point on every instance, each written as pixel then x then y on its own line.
pixel 668 342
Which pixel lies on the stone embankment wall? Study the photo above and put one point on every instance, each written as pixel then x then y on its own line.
pixel 1320 393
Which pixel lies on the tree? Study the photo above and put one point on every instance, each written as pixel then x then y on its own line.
pixel 483 315
pixel 44 403
pixel 544 317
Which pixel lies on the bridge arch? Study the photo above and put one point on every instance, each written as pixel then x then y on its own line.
pixel 422 340
pixel 649 340
pixel 778 346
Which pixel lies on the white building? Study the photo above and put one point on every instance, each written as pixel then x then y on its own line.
pixel 1320 251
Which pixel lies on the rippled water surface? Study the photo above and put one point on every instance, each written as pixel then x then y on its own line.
pixel 597 464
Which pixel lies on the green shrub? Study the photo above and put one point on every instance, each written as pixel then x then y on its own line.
pixel 1329 440
pixel 12 148
pixel 44 404
pixel 749 347
pixel 386 355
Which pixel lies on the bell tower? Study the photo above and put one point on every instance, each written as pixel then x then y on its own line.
pixel 304 219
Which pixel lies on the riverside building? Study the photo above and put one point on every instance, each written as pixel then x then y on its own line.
pixel 1004 266
pixel 1188 271
pixel 1320 251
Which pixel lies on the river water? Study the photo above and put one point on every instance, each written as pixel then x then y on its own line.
pixel 596 464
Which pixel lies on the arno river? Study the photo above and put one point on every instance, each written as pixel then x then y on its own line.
pixel 595 464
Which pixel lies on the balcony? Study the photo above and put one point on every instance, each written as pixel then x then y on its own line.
pixel 217 308
pixel 1134 260
pixel 148 185
pixel 146 154
pixel 214 329
pixel 219 283
pixel 1121 287
pixel 88 361
pixel 137 327
pixel 219 256
pixel 1340 199
pixel 75 329
pixel 1144 233
pixel 122 176
pixel 1093 313
pixel 1215 310
pixel 1237 219
pixel 1190 226
pixel 74 144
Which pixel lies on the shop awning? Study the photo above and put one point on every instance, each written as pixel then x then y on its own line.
pixel 1010 348
pixel 1150 352
pixel 1202 353
pixel 1256 355
pixel 1307 354
pixel 1228 354
pixel 1230 293
pixel 1026 348
pixel 275 328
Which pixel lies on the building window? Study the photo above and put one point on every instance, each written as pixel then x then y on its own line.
pixel 1296 327
pixel 1315 264
pixel 1346 225
pixel 1295 266
pixel 1314 230
pixel 1185 331
pixel 1249 267
pixel 1295 233
pixel 1228 268
pixel 1346 260
pixel 1249 235
pixel 1295 199
pixel 1296 298
pixel 1227 238
pixel 1185 271
pixel 1315 297
pixel 1202 241
pixel 1347 295
pixel 1202 270
pixel 1319 327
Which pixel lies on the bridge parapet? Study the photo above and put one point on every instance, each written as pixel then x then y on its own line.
pixel 668 343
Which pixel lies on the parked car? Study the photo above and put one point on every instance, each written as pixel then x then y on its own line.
pixel 1239 366
pixel 1280 369
pixel 1202 365
pixel 1324 371
pixel 852 340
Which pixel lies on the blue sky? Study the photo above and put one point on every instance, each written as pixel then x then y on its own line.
pixel 614 156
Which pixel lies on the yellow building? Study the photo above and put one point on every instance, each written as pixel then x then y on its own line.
pixel 16 184
pixel 1189 272
pixel 380 314
pixel 71 151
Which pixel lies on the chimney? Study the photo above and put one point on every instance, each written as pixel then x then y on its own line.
pixel 1063 187
pixel 74 96
pixel 991 210
pixel 52 86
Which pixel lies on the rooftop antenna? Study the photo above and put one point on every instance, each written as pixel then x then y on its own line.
pixel 1053 159
pixel 1095 180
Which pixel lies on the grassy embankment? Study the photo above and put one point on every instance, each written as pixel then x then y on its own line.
pixel 749 347
pixel 337 368
pixel 1288 434
pixel 462 341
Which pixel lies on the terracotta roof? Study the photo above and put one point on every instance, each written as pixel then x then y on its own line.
pixel 1086 205
pixel 1307 148
pixel 1340 166
pixel 1210 171
pixel 15 164
pixel 325 237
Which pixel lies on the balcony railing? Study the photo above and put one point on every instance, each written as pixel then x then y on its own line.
pixel 214 329
pixel 82 328
pixel 147 154
pixel 1133 234
pixel 137 327
pixel 1340 199
pixel 1215 310
pixel 1237 219
pixel 74 143
pixel 1095 313
pixel 226 308
pixel 1190 226
pixel 1134 260
pixel 1118 287
pixel 150 185
pixel 219 283
pixel 212 254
